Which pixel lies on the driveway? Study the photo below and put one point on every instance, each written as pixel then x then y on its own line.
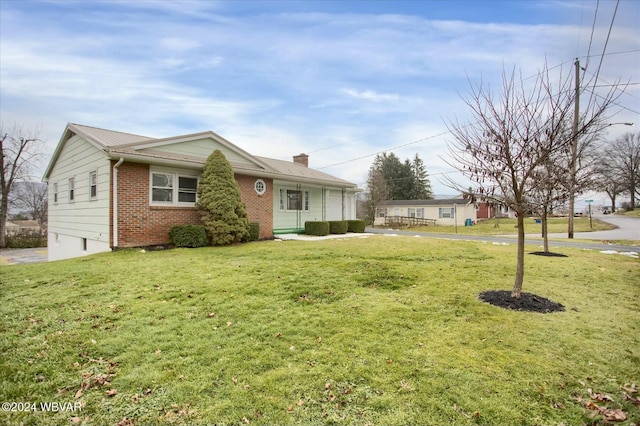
pixel 27 255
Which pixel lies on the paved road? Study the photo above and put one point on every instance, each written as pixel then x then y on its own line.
pixel 628 229
pixel 28 255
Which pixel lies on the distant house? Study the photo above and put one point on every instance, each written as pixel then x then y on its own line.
pixel 109 189
pixel 450 211
pixel 15 227
pixel 489 210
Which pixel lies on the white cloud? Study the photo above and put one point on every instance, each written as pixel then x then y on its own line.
pixel 274 83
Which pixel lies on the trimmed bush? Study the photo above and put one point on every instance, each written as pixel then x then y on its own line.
pixel 338 226
pixel 188 236
pixel 356 226
pixel 26 239
pixel 316 228
pixel 254 231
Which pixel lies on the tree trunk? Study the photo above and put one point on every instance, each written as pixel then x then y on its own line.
pixel 545 233
pixel 517 286
pixel 613 203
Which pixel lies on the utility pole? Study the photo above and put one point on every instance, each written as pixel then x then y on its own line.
pixel 574 150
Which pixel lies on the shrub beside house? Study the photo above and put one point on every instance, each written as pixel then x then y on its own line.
pixel 110 189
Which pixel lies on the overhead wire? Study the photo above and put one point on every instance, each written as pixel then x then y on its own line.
pixel 587 56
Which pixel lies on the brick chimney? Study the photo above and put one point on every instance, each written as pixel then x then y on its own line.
pixel 301 159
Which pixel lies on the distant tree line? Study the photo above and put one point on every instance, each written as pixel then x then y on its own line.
pixel 392 179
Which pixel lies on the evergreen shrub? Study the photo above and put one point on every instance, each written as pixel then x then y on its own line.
pixel 188 236
pixel 356 226
pixel 223 213
pixel 254 231
pixel 316 228
pixel 338 226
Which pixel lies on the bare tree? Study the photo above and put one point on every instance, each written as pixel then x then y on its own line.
pixel 622 161
pixel 20 151
pixel 515 134
pixel 30 198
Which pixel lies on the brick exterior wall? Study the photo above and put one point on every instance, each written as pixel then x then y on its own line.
pixel 140 224
pixel 259 207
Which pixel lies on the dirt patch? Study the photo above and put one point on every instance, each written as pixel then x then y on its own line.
pixel 527 302
pixel 548 253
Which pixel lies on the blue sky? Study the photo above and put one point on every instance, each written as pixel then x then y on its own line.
pixel 338 80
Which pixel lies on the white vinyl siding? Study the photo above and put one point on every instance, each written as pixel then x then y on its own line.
pixel 83 217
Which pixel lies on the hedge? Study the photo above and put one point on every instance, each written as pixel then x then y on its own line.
pixel 316 228
pixel 188 236
pixel 254 231
pixel 26 239
pixel 356 225
pixel 338 226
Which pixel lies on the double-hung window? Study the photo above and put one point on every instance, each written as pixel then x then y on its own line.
pixel 446 213
pixel 173 189
pixel 93 185
pixel 71 190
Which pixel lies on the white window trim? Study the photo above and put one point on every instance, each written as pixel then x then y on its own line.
pixel 176 175
pixel 264 186
pixel 282 202
pixel 71 193
pixel 451 211
pixel 91 184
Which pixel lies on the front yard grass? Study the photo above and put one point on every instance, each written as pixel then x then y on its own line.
pixel 509 226
pixel 379 330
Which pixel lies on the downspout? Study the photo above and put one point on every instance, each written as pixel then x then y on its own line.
pixel 115 201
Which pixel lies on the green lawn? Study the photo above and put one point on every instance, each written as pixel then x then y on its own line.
pixel 361 331
pixel 632 213
pixel 509 226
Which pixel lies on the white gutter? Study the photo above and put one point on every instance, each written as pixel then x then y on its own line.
pixel 115 201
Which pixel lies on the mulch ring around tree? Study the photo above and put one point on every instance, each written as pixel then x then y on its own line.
pixel 527 302
pixel 548 253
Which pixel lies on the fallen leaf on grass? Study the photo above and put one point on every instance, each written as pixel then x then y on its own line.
pixel 631 389
pixel 75 419
pixel 614 415
pixel 610 414
pixel 211 314
pixel 112 392
pixel 78 394
pixel 634 400
pixel 601 397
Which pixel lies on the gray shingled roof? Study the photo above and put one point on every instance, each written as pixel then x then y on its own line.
pixel 434 202
pixel 128 145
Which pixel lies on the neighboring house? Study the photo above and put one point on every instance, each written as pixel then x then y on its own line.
pixel 489 210
pixel 444 211
pixel 15 227
pixel 109 189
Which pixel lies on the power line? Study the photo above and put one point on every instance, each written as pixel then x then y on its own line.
pixel 604 49
pixel 388 149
